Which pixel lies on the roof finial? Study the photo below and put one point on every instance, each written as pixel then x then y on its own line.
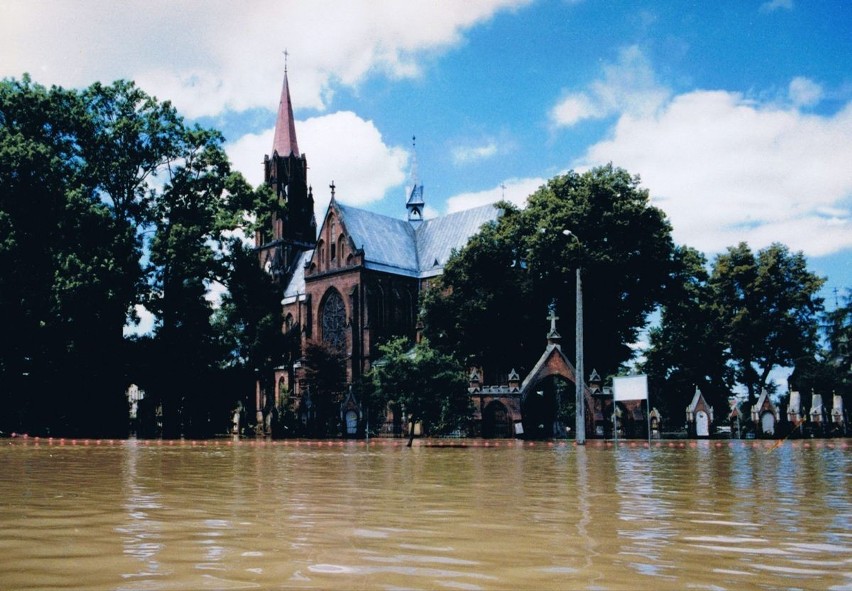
pixel 286 54
pixel 332 187
pixel 415 181
pixel 414 202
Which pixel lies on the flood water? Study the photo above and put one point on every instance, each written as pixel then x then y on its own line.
pixel 349 515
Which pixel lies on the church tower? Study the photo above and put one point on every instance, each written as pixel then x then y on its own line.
pixel 415 203
pixel 292 227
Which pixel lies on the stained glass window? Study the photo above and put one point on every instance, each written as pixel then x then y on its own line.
pixel 334 321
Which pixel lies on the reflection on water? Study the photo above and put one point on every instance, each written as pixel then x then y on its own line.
pixel 346 515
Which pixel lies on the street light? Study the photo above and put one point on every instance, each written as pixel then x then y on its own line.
pixel 580 402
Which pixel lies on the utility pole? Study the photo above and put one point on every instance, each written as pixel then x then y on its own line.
pixel 580 437
pixel 580 398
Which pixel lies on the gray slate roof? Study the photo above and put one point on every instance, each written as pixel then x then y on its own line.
pixel 296 286
pixel 388 243
pixel 394 246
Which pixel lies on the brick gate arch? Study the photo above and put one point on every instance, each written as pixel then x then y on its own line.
pixel 553 362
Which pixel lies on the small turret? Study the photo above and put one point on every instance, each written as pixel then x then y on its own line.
pixel 415 203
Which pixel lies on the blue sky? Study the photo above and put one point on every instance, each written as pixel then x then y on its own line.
pixel 736 114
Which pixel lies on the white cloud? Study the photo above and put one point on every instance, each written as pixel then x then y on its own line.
pixel 225 55
pixel 627 86
pixel 513 190
pixel 468 154
pixel 339 147
pixel 804 92
pixel 726 169
pixel 145 326
pixel 574 108
pixel 773 5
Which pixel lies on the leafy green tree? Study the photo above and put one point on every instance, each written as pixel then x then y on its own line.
pixel 61 274
pixel 325 379
pixel 475 304
pixel 767 307
pixel 247 325
pixel 427 386
pixel 829 370
pixel 187 257
pixel 86 178
pixel 489 305
pixel 687 347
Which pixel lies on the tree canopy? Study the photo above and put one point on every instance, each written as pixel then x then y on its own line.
pixel 489 306
pixel 108 201
pixel 428 387
pixel 687 349
pixel 732 325
pixel 768 307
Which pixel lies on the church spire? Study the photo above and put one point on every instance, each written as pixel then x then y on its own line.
pixel 415 203
pixel 285 127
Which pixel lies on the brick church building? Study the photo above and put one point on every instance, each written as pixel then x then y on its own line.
pixel 351 278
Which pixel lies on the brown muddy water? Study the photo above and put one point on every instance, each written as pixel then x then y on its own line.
pixel 227 514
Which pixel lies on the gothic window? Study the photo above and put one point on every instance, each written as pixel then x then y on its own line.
pixel 340 243
pixel 332 246
pixel 333 319
pixel 321 253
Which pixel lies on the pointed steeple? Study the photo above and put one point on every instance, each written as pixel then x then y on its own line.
pixel 284 141
pixel 415 203
pixel 291 227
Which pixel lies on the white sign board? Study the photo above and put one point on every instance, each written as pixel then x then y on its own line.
pixel 630 388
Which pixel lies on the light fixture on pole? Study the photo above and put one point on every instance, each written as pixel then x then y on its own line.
pixel 580 426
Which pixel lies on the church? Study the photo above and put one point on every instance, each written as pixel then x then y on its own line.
pixel 354 279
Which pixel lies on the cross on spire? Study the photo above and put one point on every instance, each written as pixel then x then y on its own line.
pixel 332 187
pixel 286 54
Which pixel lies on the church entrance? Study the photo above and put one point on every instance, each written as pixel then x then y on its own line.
pixel 767 424
pixel 496 421
pixel 547 408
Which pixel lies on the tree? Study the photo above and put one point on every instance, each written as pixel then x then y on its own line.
pixel 325 378
pixel 475 304
pixel 829 370
pixel 86 177
pixel 247 325
pixel 489 305
pixel 767 308
pixel 427 386
pixel 687 349
pixel 194 217
pixel 62 276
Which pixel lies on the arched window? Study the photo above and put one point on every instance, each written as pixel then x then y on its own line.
pixel 321 254
pixel 341 241
pixel 332 245
pixel 333 320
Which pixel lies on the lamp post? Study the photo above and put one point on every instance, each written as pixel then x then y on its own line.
pixel 580 402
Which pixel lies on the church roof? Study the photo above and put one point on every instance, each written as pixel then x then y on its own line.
pixel 393 245
pixel 438 237
pixel 296 286
pixel 388 243
pixel 284 141
pixel 696 398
